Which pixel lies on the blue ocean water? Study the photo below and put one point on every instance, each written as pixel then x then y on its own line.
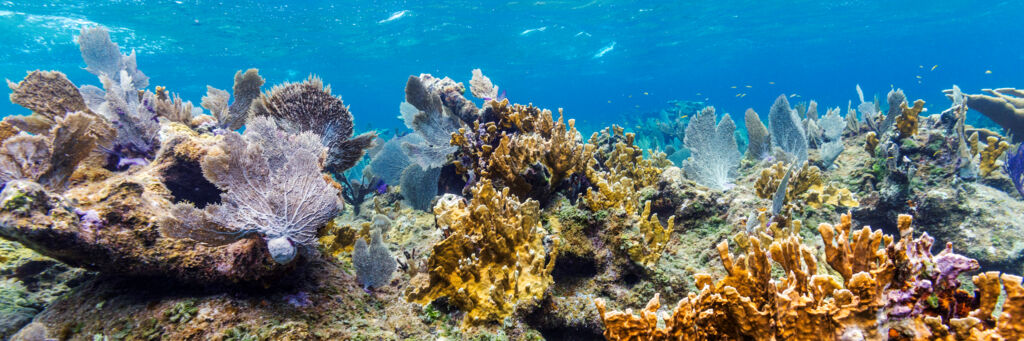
pixel 601 60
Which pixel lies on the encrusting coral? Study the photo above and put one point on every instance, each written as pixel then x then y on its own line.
pixel 493 258
pixel 893 290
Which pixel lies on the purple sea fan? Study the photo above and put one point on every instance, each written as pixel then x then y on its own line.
pixel 273 186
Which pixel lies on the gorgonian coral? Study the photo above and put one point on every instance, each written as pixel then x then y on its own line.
pixel 309 107
pixel 272 185
pixel 787 133
pixel 714 156
pixel 425 113
pixel 246 89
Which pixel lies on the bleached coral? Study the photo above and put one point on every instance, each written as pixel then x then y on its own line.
pixel 714 156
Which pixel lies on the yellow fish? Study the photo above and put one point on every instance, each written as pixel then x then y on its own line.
pixel 934 66
pixel 918 77
pixel 988 72
pixel 645 93
pixel 772 83
pixel 732 87
pixel 748 86
pixel 737 95
pixel 609 101
pixel 744 95
pixel 920 66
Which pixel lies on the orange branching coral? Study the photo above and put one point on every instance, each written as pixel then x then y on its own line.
pixel 990 155
pixel 889 290
pixel 909 118
pixel 493 258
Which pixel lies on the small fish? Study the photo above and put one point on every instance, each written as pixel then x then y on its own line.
pixel 920 66
pixel 732 87
pixel 609 101
pixel 988 72
pixel 699 94
pixel 501 97
pixel 744 95
pixel 382 187
pixel 539 29
pixel 772 83
pixel 748 86
pixel 934 66
pixel 630 96
pixel 604 50
pixel 645 93
pixel 794 95
pixel 918 77
pixel 394 16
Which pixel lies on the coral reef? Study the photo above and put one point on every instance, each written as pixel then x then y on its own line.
pixel 246 90
pixel 760 142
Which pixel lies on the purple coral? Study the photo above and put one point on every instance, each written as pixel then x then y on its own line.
pixel 1014 167
pixel 272 186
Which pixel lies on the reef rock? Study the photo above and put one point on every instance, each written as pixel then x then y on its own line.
pixel 111 224
pixel 984 222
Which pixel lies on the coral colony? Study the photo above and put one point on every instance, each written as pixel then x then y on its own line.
pixel 498 220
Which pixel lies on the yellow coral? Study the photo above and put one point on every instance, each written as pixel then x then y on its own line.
pixel 909 118
pixel 805 186
pixel 627 172
pixel 990 155
pixel 493 258
pixel 871 142
pixel 652 238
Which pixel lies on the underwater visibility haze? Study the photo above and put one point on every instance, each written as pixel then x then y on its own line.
pixel 559 170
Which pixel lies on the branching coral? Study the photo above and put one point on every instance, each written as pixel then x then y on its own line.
pixel 990 155
pixel 309 107
pixel 246 89
pixel 625 173
pixel 1005 106
pixel 894 290
pixel 493 258
pixel 272 186
pixel 714 156
pixel 871 143
pixel 909 118
pixel 647 242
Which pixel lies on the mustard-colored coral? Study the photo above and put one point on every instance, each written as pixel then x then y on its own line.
pixel 990 155
pixel 909 118
pixel 493 258
pixel 624 173
pixel 886 290
pixel 524 138
pixel 871 142
pixel 650 238
pixel 806 187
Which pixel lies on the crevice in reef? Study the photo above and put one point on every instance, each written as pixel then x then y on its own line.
pixel 571 267
pixel 186 182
